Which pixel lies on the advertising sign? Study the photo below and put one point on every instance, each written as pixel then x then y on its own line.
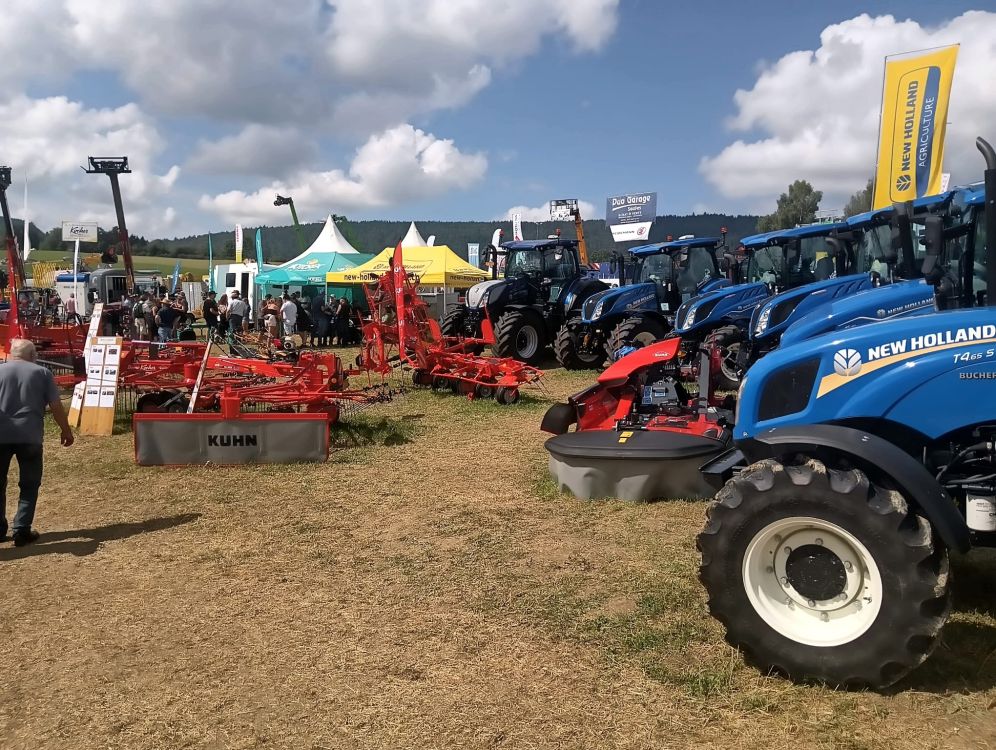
pixel 238 243
pixel 914 117
pixel 474 253
pixel 631 216
pixel 516 226
pixel 563 209
pixel 84 231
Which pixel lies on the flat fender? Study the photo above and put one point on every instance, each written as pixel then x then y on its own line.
pixel 875 456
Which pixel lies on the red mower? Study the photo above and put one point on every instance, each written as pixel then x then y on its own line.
pixel 639 433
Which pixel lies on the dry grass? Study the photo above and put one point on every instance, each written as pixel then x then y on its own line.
pixel 428 587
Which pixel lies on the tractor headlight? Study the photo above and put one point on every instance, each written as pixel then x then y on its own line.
pixel 597 312
pixel 689 319
pixel 762 320
pixel 569 300
pixel 483 301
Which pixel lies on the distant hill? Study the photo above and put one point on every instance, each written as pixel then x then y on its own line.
pixel 280 243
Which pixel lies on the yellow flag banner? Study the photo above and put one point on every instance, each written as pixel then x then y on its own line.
pixel 914 117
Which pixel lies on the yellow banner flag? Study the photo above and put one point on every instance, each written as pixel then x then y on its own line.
pixel 914 118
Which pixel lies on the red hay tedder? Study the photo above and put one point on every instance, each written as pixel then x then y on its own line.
pixel 400 332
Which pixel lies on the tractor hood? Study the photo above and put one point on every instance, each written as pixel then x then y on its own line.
pixel 898 300
pixel 631 298
pixel 478 292
pixel 734 303
pixel 785 308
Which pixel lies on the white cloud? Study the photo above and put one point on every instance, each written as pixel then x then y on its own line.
pixel 398 165
pixel 255 150
pixel 817 111
pixel 542 213
pixel 46 141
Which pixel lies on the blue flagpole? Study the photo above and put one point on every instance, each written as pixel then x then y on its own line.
pixel 259 251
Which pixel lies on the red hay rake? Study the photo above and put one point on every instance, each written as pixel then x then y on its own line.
pixel 400 332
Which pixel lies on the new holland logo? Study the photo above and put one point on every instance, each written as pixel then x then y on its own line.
pixel 847 362
pixel 903 183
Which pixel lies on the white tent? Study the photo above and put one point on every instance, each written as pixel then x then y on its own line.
pixel 413 238
pixel 330 240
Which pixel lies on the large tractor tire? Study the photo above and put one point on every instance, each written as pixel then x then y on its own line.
pixel 727 339
pixel 520 336
pixel 820 575
pixel 636 332
pixel 565 346
pixel 454 323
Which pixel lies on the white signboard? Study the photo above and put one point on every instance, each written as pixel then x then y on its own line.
pixel 516 227
pixel 945 181
pixel 563 209
pixel 474 253
pixel 79 231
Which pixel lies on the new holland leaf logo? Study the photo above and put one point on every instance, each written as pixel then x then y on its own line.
pixel 903 182
pixel 847 362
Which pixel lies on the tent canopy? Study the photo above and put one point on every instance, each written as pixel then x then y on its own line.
pixel 413 238
pixel 329 252
pixel 435 266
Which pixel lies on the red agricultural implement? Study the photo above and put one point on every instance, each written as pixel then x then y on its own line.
pixel 400 332
pixel 24 311
pixel 182 374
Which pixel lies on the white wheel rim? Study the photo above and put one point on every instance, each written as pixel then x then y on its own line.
pixel 833 621
pixel 644 338
pixel 527 341
pixel 730 356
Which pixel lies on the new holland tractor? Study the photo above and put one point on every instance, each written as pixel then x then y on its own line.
pixel 775 261
pixel 885 256
pixel 861 458
pixel 519 315
pixel 661 277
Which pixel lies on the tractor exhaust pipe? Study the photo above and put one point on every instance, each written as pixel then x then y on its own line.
pixel 990 218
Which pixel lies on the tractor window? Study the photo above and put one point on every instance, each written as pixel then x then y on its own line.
pixel 696 266
pixel 656 268
pixel 981 259
pixel 810 261
pixel 766 264
pixel 523 262
pixel 558 264
pixel 872 249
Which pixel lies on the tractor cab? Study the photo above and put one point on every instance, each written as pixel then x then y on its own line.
pixel 789 258
pixel 547 265
pixel 678 269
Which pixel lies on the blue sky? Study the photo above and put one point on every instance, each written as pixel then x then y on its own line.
pixel 415 110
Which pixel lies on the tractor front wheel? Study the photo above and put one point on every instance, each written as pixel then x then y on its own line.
pixel 636 332
pixel 519 336
pixel 727 339
pixel 820 575
pixel 569 355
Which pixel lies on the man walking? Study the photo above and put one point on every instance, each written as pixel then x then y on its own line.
pixel 209 309
pixel 25 390
pixel 237 309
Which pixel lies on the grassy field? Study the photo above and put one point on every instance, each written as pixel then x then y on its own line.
pixel 426 588
pixel 142 262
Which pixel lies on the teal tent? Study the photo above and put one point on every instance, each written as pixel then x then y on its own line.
pixel 329 252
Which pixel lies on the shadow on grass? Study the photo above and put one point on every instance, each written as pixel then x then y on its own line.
pixel 364 433
pixel 82 542
pixel 964 661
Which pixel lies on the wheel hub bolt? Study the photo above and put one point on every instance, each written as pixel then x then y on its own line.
pixel 848 566
pixel 787 550
pixel 819 541
pixel 784 581
pixel 811 603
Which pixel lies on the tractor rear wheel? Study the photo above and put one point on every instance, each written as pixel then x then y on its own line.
pixel 727 339
pixel 519 336
pixel 565 346
pixel 820 575
pixel 454 324
pixel 636 332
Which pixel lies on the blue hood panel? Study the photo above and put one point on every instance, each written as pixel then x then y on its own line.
pixel 632 298
pixel 793 305
pixel 729 303
pixel 899 300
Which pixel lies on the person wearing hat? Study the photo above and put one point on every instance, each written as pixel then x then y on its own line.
pixel 237 309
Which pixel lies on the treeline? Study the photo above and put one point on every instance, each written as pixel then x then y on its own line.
pixel 281 244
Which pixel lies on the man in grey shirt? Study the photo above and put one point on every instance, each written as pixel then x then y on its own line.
pixel 25 390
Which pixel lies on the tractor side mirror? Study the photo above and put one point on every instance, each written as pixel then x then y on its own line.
pixel 901 244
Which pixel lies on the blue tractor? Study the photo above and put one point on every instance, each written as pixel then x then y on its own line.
pixel 861 457
pixel 771 262
pixel 661 277
pixel 884 256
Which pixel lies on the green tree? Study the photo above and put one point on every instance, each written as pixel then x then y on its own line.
pixel 797 206
pixel 860 202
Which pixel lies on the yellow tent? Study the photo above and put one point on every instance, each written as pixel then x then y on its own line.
pixel 435 266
